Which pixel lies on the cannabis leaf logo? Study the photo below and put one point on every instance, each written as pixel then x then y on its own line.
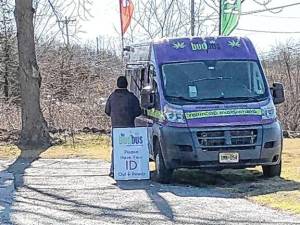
pixel 178 45
pixel 234 44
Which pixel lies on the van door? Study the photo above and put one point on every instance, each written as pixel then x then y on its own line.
pixel 148 80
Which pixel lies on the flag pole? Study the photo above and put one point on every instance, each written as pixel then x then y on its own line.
pixel 122 34
pixel 192 17
pixel 220 18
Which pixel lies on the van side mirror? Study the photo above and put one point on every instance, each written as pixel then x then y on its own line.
pixel 147 97
pixel 278 93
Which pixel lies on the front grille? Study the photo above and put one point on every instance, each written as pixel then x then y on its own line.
pixel 219 140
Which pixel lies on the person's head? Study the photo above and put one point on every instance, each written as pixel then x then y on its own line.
pixel 122 82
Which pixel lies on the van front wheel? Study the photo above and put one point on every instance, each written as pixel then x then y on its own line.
pixel 162 174
pixel 272 171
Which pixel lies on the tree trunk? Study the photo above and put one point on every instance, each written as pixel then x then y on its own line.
pixel 34 132
pixel 6 84
pixel 5 50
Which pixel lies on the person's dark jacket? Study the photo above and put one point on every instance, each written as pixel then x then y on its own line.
pixel 123 107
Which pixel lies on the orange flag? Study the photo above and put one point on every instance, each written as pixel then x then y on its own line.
pixel 126 12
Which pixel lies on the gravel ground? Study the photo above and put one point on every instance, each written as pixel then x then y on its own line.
pixel 80 192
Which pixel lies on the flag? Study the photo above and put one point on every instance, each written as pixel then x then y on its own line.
pixel 230 15
pixel 126 12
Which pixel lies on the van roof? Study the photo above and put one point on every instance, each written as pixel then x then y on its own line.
pixel 168 50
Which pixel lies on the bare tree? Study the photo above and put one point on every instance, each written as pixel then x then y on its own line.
pixel 154 19
pixel 51 16
pixel 34 128
pixel 282 64
pixel 170 18
pixel 76 83
pixel 8 51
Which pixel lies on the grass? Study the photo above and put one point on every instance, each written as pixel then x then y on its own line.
pixel 286 193
pixel 84 147
pixel 282 193
pixel 9 151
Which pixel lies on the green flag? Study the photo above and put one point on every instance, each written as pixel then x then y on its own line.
pixel 230 15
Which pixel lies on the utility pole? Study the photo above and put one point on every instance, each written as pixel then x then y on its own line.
pixel 97 41
pixel 66 22
pixel 192 17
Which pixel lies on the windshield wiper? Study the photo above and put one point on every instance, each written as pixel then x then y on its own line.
pixel 248 98
pixel 210 78
pixel 243 98
pixel 182 98
pixel 211 100
pixel 196 99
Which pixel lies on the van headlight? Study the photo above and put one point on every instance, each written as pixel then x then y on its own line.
pixel 269 111
pixel 174 115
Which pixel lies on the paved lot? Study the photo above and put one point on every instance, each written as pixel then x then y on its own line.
pixel 79 192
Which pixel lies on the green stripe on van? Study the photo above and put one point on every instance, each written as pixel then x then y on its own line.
pixel 225 112
pixel 155 114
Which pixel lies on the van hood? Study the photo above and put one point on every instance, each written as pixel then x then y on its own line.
pixel 224 115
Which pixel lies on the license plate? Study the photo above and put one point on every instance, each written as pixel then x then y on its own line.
pixel 229 157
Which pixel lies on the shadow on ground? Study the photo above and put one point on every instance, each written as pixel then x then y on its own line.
pixel 227 184
pixel 240 183
pixel 211 183
pixel 17 169
pixel 222 184
pixel 97 212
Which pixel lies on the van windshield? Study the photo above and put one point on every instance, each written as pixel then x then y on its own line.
pixel 214 81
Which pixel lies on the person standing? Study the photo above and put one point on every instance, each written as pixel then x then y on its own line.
pixel 122 107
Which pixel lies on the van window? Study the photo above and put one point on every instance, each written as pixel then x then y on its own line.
pixel 258 83
pixel 208 80
pixel 148 74
pixel 134 80
pixel 144 77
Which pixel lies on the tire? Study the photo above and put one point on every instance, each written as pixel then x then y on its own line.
pixel 162 174
pixel 272 171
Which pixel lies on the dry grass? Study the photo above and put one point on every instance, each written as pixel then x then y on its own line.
pixel 286 194
pixel 282 193
pixel 9 151
pixel 84 146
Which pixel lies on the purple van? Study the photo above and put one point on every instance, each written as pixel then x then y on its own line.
pixel 208 104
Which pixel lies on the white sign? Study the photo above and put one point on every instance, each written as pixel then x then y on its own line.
pixel 131 153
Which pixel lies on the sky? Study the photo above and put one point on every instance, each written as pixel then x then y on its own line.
pixel 105 22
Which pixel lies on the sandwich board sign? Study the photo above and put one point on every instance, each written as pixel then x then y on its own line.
pixel 131 153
